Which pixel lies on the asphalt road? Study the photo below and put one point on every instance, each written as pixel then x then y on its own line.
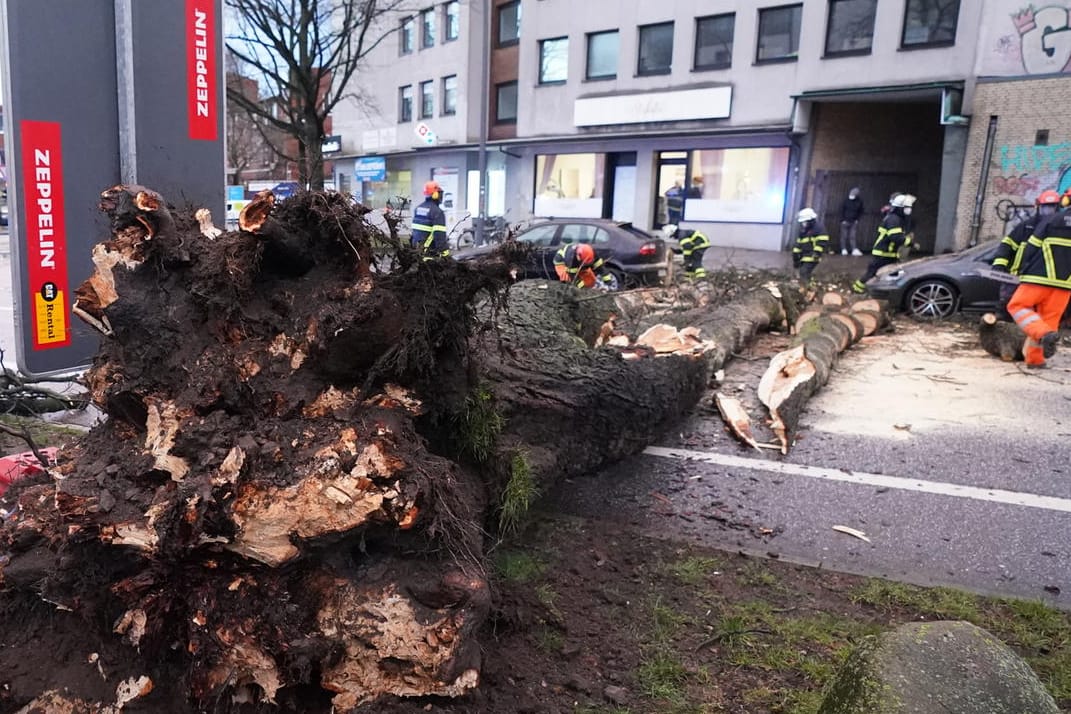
pixel 956 466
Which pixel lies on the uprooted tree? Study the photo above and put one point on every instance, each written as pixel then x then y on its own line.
pixel 291 496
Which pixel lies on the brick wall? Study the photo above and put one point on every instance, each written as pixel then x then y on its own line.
pixel 1018 169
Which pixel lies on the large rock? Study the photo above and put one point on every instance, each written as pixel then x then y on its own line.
pixel 938 667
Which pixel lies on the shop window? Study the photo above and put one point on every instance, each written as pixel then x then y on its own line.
pixel 427 99
pixel 850 30
pixel 406 34
pixel 779 33
pixel 930 22
pixel 656 49
pixel 553 60
pixel 427 28
pixel 569 185
pixel 450 94
pixel 509 23
pixel 738 185
pixel 602 55
pixel 451 21
pixel 506 103
pixel 714 41
pixel 405 103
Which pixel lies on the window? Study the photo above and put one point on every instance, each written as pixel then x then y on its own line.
pixel 739 185
pixel 569 185
pixel 553 60
pixel 509 23
pixel 656 49
pixel 406 41
pixel 427 99
pixel 930 22
pixel 779 33
pixel 540 235
pixel 506 103
pixel 602 55
pixel 427 28
pixel 714 41
pixel 851 26
pixel 450 94
pixel 405 103
pixel 583 233
pixel 451 20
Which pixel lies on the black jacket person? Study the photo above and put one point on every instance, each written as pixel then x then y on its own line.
pixel 811 242
pixel 429 224
pixel 893 236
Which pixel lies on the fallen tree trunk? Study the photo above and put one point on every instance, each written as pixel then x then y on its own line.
pixel 1001 338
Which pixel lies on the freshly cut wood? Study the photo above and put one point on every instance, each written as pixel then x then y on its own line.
pixel 737 419
pixel 832 298
pixel 871 321
pixel 1001 338
pixel 871 304
pixel 855 327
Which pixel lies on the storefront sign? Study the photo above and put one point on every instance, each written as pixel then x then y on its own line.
pixel 46 233
pixel 201 66
pixel 370 168
pixel 683 105
pixel 425 133
pixel 331 145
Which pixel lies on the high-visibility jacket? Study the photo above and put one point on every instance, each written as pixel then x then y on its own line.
pixel 1010 251
pixel 570 270
pixel 1046 258
pixel 811 243
pixel 695 241
pixel 429 230
pixel 891 236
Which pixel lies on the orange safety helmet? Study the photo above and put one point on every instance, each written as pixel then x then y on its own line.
pixel 433 190
pixel 1047 197
pixel 585 254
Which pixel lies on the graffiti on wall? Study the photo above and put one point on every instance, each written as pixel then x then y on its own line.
pixel 1043 38
pixel 1026 171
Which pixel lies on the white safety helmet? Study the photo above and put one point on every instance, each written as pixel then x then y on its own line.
pixel 900 200
pixel 669 230
pixel 909 200
pixel 807 214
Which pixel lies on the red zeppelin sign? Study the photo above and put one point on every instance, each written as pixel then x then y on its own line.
pixel 201 69
pixel 46 234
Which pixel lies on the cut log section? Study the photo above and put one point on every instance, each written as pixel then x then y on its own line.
pixel 833 298
pixel 1001 338
pixel 736 418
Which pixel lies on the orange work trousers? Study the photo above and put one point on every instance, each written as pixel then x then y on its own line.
pixel 1037 309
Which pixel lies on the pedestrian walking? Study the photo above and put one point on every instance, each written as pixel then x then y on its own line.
pixel 675 203
pixel 850 213
pixel 811 242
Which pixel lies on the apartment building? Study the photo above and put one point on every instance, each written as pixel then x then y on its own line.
pixel 742 111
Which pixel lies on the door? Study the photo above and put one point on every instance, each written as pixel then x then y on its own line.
pixel 670 187
pixel 539 262
pixel 832 187
pixel 624 194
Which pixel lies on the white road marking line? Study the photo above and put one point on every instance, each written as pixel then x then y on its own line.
pixel 995 495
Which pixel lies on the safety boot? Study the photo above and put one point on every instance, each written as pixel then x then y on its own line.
pixel 1048 343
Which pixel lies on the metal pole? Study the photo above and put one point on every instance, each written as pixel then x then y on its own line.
pixel 485 89
pixel 124 71
pixel 983 182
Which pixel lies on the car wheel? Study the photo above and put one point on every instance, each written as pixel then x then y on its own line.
pixel 617 279
pixel 931 300
pixel 465 240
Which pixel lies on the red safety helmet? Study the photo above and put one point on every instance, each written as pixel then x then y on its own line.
pixel 585 254
pixel 1047 197
pixel 433 190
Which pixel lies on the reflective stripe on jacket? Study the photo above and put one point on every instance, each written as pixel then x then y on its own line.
pixel 1009 253
pixel 429 230
pixel 1046 258
pixel 566 259
pixel 695 241
pixel 891 236
pixel 811 243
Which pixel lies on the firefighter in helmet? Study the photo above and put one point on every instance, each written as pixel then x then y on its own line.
pixel 893 236
pixel 1010 251
pixel 429 224
pixel 577 264
pixel 693 245
pixel 811 242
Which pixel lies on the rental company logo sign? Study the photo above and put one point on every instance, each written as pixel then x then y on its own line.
pixel 46 234
pixel 201 62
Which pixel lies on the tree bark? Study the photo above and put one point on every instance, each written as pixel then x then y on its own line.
pixel 1001 338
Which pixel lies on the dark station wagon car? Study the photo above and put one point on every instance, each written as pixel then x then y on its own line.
pixel 632 256
pixel 938 286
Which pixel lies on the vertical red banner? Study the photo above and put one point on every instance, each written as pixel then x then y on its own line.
pixel 201 77
pixel 46 233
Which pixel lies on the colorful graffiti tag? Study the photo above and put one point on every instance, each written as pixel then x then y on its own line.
pixel 1028 170
pixel 1044 38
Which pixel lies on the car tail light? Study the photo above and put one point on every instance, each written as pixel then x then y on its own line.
pixel 649 249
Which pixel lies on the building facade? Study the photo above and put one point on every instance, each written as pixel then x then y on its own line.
pixel 724 115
